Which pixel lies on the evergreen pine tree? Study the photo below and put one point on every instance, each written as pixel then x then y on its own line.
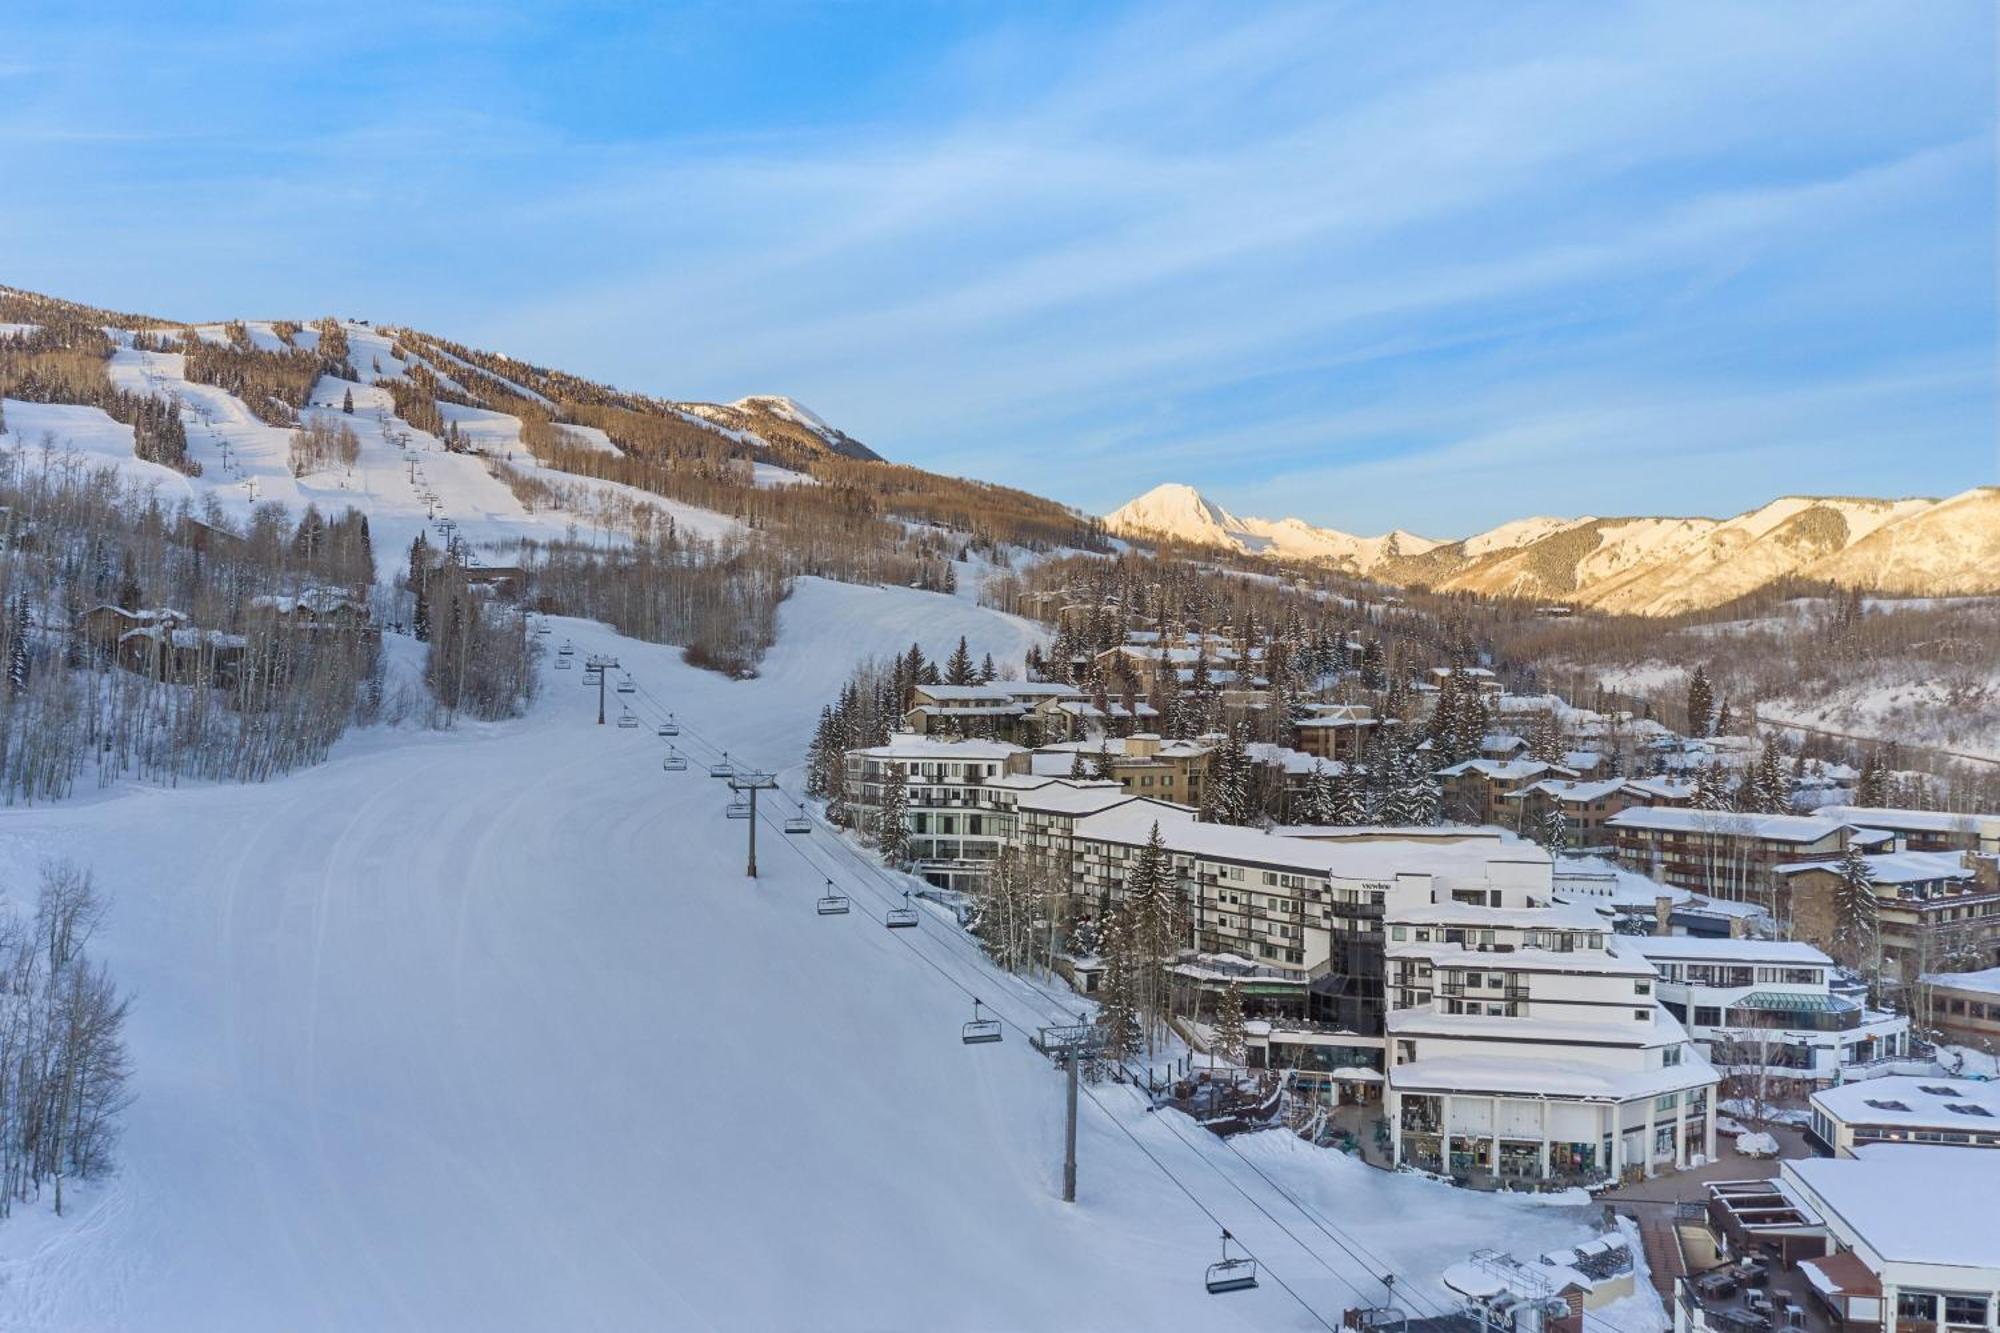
pixel 1545 744
pixel 1854 912
pixel 1229 1039
pixel 1154 901
pixel 959 669
pixel 347 402
pixel 1700 702
pixel 1350 799
pixel 892 835
pixel 1555 828
pixel 1118 1012
pixel 987 673
pixel 1872 787
pixel 1317 804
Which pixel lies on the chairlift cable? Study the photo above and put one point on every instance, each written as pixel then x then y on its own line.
pixel 1090 1094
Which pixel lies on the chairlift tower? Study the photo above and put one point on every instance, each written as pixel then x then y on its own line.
pixel 600 665
pixel 1069 1043
pixel 752 783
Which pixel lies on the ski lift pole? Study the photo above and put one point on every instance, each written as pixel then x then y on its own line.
pixel 1069 1131
pixel 753 783
pixel 601 665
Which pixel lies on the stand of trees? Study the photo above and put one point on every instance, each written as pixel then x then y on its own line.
pixel 64 361
pixel 63 1062
pixel 250 692
pixel 480 659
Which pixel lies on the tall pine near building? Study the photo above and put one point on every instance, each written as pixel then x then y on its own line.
pixel 1854 932
pixel 1229 1039
pixel 959 669
pixel 1700 702
pixel 892 834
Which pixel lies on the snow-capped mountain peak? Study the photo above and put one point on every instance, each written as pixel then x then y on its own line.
pixel 1641 565
pixel 1177 511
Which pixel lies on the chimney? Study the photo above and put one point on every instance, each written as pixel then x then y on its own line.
pixel 1142 745
pixel 1663 912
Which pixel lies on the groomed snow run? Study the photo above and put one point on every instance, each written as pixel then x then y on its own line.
pixel 488 1030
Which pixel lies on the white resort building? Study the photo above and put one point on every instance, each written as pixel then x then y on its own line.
pixel 1523 1048
pixel 1769 1004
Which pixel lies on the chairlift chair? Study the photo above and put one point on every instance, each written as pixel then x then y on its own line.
pixel 670 727
pixel 737 809
pixel 902 918
pixel 832 903
pixel 675 762
pixel 980 1030
pixel 722 768
pixel 628 720
pixel 1239 1274
pixel 799 823
pixel 564 664
pixel 567 650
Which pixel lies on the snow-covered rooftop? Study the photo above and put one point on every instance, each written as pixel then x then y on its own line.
pixel 1662 788
pixel 1568 789
pixel 1926 821
pixel 1915 1101
pixel 1088 798
pixel 1895 867
pixel 1985 981
pixel 1380 858
pixel 1698 949
pixel 1555 916
pixel 1504 770
pixel 907 745
pixel 1573 1079
pixel 1771 828
pixel 1911 1203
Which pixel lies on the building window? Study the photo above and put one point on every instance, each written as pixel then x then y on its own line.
pixel 1666 1101
pixel 1670 1057
pixel 1916 1305
pixel 1965 1310
pixel 1642 988
pixel 1642 1015
pixel 1707 1016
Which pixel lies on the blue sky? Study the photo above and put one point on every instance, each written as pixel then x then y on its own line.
pixel 1425 266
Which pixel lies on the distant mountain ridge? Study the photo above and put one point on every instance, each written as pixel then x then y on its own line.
pixel 1636 565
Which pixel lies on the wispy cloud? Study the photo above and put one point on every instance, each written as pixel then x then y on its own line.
pixel 1322 256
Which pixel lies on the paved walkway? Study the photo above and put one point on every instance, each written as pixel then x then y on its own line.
pixel 1691 1186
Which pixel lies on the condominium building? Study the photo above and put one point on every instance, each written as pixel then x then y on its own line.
pixel 1523 1048
pixel 1729 855
pixel 955 824
pixel 1769 1007
pixel 1931 910
pixel 1925 830
pixel 1964 1007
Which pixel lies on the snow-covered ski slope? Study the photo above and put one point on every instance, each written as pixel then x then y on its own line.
pixel 488 1030
pixel 245 462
